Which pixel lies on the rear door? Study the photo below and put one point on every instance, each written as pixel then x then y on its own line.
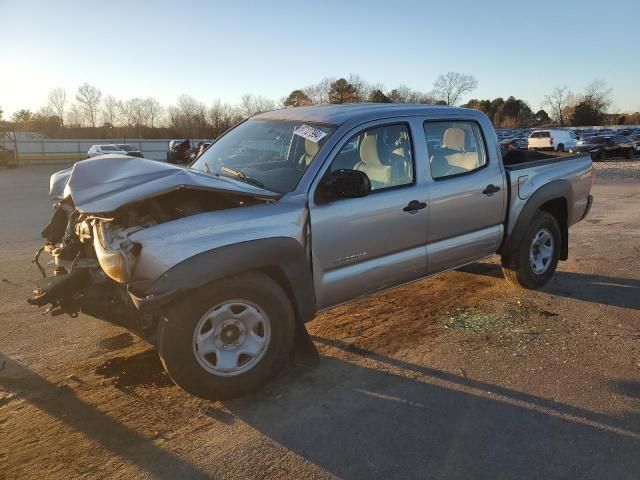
pixel 363 245
pixel 467 194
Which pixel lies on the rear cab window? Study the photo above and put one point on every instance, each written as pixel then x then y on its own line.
pixel 541 134
pixel 454 148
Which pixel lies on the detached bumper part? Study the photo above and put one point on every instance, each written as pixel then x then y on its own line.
pixel 61 292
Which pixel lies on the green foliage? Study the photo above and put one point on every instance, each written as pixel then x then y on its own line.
pixel 510 113
pixel 586 113
pixel 297 98
pixel 542 117
pixel 377 96
pixel 23 115
pixel 341 91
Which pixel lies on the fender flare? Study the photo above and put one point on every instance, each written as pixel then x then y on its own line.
pixel 551 191
pixel 282 258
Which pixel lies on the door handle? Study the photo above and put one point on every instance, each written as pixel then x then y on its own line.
pixel 491 189
pixel 414 206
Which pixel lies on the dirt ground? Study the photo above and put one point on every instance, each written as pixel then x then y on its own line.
pixel 458 376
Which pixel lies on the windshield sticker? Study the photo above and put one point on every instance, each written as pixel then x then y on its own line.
pixel 309 133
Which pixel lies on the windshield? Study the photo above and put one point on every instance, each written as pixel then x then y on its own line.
pixel 272 154
pixel 108 148
pixel 125 148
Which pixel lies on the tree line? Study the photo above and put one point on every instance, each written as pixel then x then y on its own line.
pixel 90 113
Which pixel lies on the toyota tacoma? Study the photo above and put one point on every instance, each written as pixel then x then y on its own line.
pixel 221 263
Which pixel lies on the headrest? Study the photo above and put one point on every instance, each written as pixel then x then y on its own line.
pixel 454 138
pixel 311 148
pixel 369 150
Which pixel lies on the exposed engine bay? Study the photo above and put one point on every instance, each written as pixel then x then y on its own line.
pixel 94 259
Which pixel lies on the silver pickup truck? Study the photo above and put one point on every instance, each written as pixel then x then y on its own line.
pixel 293 212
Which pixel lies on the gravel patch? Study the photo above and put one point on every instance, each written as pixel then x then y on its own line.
pixel 618 168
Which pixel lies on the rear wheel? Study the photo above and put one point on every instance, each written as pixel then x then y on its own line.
pixel 536 259
pixel 228 338
pixel 603 155
pixel 561 148
pixel 629 154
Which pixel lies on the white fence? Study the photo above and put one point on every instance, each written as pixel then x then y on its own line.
pixel 48 150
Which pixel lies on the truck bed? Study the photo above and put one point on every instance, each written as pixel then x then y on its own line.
pixel 529 171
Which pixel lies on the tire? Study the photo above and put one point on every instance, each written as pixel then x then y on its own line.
pixel 202 374
pixel 561 148
pixel 629 154
pixel 602 156
pixel 518 270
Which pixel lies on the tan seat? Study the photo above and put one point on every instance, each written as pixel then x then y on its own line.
pixel 379 174
pixel 310 151
pixel 455 139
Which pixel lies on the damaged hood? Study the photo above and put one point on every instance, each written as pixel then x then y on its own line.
pixel 108 182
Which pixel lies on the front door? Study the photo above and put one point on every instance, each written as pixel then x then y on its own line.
pixel 363 245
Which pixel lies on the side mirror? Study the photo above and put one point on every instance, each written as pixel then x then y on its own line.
pixel 345 184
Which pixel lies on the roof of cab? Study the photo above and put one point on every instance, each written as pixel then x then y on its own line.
pixel 338 114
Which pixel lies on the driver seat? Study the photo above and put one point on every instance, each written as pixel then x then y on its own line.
pixel 370 163
pixel 310 151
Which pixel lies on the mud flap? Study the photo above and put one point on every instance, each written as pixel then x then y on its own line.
pixel 304 353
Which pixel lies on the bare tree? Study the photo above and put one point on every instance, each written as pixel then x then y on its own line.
pixel 362 88
pixel 452 85
pixel 189 116
pixel 89 97
pixel 58 101
pixel 558 101
pixel 153 111
pixel 222 116
pixel 74 116
pixel 251 105
pixel 599 95
pixel 319 92
pixel 135 112
pixel 111 110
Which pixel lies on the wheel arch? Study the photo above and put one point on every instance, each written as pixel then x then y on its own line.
pixel 555 198
pixel 283 259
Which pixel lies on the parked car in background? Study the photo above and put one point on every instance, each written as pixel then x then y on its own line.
pixel 179 151
pixel 96 150
pixel 636 139
pixel 199 150
pixel 130 149
pixel 601 147
pixel 558 140
pixel 514 143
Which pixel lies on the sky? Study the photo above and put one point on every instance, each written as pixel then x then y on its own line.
pixel 222 50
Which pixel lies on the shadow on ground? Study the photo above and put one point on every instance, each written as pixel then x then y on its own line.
pixel 614 291
pixel 361 422
pixel 358 422
pixel 99 426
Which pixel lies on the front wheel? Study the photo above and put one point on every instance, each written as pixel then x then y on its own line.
pixel 629 153
pixel 536 259
pixel 228 338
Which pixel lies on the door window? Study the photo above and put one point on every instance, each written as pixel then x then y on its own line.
pixel 454 148
pixel 383 153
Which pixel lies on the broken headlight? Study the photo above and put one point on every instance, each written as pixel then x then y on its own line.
pixel 117 256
